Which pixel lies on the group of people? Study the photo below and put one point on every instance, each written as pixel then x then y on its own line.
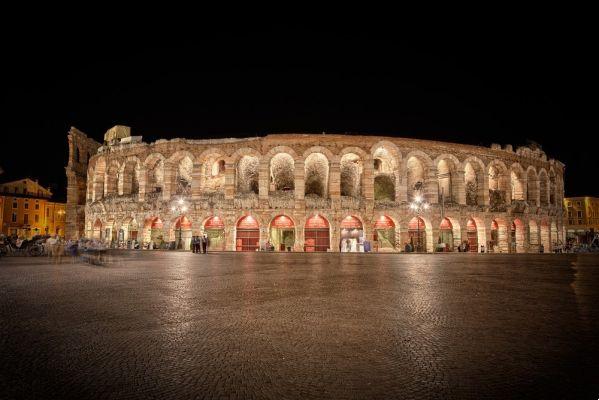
pixel 199 244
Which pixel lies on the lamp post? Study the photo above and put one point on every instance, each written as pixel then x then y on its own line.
pixel 418 205
pixel 179 207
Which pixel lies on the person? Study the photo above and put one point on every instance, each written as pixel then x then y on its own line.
pixel 194 244
pixel 407 248
pixel 482 248
pixel 205 243
pixel 541 248
pixel 466 247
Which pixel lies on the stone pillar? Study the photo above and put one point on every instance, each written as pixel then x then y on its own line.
pixel 263 180
pixel 169 177
pixel 335 184
pixel 431 187
pixel 368 180
pixel 229 180
pixel 524 181
pixel 143 183
pixel 299 182
pixel 459 187
pixel 196 180
pixel 483 190
pixel 402 188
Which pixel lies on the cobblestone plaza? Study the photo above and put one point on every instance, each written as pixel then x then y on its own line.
pixel 297 326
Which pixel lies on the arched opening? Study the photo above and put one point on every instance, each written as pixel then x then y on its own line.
pixel 416 178
pixel 130 178
pixel 317 175
pixel 384 187
pixel 417 234
pixel 384 233
pixel 183 176
pixel 532 188
pixel 247 234
pixel 517 239
pixel 212 174
pixel 446 235
pixel 352 235
pixel 499 237
pixel 282 233
pixel 545 238
pixel 154 175
pixel 472 236
pixel 97 232
pixel 182 233
pixel 445 176
pixel 517 185
pixel 316 234
pixel 156 233
pixel 544 188
pixel 498 187
pixel 473 182
pixel 112 178
pixel 384 162
pixel 247 174
pixel 351 175
pixel 282 169
pixel 214 228
pixel 552 188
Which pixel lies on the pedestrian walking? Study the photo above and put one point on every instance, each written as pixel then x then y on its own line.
pixel 205 243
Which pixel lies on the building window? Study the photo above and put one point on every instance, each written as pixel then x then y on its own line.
pixel 14 217
pixel 579 214
pixel 569 204
pixel 47 212
pixel 570 222
pixel 36 218
pixel 37 205
pixel 579 222
pixel 25 219
pixel 14 204
pixel 578 203
pixel 569 214
pixel 26 205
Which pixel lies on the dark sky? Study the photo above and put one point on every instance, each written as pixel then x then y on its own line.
pixel 467 88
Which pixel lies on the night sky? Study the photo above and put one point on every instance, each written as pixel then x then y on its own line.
pixel 468 88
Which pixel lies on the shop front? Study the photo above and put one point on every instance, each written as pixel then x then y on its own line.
pixel 282 233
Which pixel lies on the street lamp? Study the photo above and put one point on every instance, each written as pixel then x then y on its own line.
pixel 418 205
pixel 179 207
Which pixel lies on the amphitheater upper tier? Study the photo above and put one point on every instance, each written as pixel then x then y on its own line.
pixel 314 192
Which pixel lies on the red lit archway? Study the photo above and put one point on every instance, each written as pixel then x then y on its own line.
pixel 248 234
pixel 446 235
pixel 472 235
pixel 316 234
pixel 417 234
pixel 384 233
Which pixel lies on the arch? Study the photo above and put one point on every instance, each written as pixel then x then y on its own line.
pixel 420 234
pixel 499 236
pixel 212 170
pixel 319 149
pixel 129 176
pixel 97 229
pixel 247 234
pixel 351 234
pixel 416 177
pixel 154 171
pixel 532 186
pixel 386 157
pixel 472 236
pixel 214 228
pixel 280 149
pixel 384 233
pixel 447 166
pixel 517 237
pixel 282 232
pixel 247 174
pixel 474 180
pixel 316 178
pixel 351 169
pixel 282 172
pixel 317 235
pixel 112 178
pixel 244 151
pixel 533 236
pixel 499 184
pixel 517 182
pixel 449 234
pixel 182 163
pixel 545 236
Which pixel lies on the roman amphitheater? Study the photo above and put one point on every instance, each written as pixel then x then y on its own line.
pixel 313 192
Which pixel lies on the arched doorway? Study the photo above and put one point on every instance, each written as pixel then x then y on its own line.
pixel 494 244
pixel 97 233
pixel 533 236
pixel 352 235
pixel 133 231
pixel 214 227
pixel 472 236
pixel 384 233
pixel 545 238
pixel 517 237
pixel 417 234
pixel 247 234
pixel 183 233
pixel 282 233
pixel 446 235
pixel 316 234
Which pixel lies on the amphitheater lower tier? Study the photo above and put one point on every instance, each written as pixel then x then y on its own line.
pixel 390 229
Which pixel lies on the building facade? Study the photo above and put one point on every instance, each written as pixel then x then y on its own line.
pixel 307 192
pixel 581 215
pixel 26 210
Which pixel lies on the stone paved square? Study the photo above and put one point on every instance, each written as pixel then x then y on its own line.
pixel 174 325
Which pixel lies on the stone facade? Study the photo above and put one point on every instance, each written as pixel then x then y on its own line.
pixel 329 187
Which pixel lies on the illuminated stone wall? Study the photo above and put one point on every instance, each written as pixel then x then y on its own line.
pixel 334 176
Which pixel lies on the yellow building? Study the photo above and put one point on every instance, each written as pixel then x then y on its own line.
pixel 26 210
pixel 582 217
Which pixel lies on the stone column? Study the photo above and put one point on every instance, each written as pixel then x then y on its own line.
pixel 196 180
pixel 169 177
pixel 229 181
pixel 459 187
pixel 483 190
pixel 368 180
pixel 335 184
pixel 142 182
pixel 431 187
pixel 263 180
pixel 402 188
pixel 299 182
